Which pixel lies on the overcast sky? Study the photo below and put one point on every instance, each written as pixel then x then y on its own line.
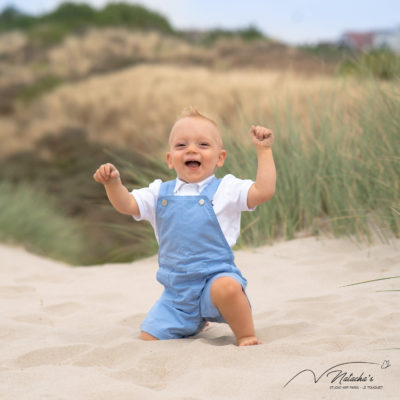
pixel 296 22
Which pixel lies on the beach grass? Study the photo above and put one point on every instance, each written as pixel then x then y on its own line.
pixel 30 218
pixel 338 168
pixel 337 175
pixel 336 151
pixel 383 64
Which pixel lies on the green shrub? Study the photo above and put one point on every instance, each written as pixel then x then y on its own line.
pixel 71 14
pixel 28 217
pixel 11 18
pixel 326 51
pixel 46 35
pixel 248 34
pixel 382 64
pixel 49 29
pixel 132 16
pixel 39 87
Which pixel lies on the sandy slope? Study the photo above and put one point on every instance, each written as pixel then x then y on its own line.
pixel 71 333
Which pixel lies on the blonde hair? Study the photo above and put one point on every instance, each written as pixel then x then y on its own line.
pixel 195 113
pixel 192 112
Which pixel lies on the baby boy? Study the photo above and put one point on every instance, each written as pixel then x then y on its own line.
pixel 196 219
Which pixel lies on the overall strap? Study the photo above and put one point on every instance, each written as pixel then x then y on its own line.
pixel 167 188
pixel 211 188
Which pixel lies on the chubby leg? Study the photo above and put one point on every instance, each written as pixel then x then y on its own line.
pixel 227 295
pixel 146 336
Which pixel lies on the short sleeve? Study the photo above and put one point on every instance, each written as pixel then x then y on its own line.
pixel 236 191
pixel 229 202
pixel 245 186
pixel 146 199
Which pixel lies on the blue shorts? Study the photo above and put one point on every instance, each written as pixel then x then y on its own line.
pixel 167 320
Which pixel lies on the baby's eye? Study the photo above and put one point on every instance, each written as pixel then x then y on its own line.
pixel 204 144
pixel 180 145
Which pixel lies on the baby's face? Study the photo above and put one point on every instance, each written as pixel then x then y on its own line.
pixel 195 149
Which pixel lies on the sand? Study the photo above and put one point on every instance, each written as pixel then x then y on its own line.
pixel 72 332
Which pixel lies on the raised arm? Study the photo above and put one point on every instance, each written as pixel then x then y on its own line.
pixel 264 187
pixel 117 193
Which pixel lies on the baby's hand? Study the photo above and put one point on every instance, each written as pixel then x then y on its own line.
pixel 261 136
pixel 106 173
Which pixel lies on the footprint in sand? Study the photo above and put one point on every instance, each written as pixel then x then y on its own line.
pixel 11 291
pixel 154 378
pixel 151 370
pixel 59 355
pixel 111 356
pixel 63 309
pixel 34 319
pixel 280 331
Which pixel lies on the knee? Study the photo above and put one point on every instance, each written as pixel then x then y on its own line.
pixel 225 289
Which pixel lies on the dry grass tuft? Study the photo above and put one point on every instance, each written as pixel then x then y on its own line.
pixel 137 106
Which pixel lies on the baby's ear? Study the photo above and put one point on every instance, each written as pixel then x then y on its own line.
pixel 169 161
pixel 221 158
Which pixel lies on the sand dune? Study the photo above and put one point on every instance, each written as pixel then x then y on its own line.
pixel 71 333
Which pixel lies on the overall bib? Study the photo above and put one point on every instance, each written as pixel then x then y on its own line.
pixel 193 252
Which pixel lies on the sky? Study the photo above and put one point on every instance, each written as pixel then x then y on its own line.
pixel 291 21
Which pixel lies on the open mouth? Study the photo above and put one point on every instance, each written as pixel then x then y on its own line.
pixel 193 164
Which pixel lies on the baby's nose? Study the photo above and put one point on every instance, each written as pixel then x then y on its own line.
pixel 191 148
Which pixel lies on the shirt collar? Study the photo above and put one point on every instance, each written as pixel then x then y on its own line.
pixel 199 185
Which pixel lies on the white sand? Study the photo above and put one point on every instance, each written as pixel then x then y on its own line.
pixel 71 333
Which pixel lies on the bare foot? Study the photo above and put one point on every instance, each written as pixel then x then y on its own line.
pixel 248 341
pixel 146 336
pixel 205 327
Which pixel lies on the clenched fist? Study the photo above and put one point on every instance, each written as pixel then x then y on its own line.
pixel 261 136
pixel 106 173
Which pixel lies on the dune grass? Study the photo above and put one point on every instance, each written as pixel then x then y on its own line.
pixel 29 218
pixel 337 155
pixel 338 175
pixel 376 280
pixel 382 64
pixel 338 171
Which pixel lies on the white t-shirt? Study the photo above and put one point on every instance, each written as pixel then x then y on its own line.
pixel 229 201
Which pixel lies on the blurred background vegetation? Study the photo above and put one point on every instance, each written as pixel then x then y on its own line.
pixel 51 28
pixel 82 86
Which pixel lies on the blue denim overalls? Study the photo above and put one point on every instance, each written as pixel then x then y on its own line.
pixel 193 252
